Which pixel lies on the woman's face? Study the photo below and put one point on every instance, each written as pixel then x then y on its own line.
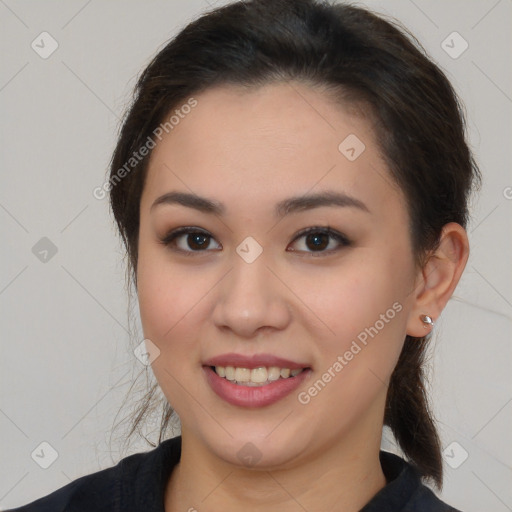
pixel 247 292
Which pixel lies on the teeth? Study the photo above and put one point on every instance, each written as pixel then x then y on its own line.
pixel 274 373
pixel 259 375
pixel 242 374
pixel 256 376
pixel 230 373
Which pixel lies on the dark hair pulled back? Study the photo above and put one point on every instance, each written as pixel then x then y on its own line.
pixel 419 125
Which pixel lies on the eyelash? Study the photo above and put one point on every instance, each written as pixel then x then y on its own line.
pixel 168 240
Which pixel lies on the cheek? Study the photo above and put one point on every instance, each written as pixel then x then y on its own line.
pixel 168 301
pixel 167 297
pixel 363 326
pixel 359 313
pixel 351 299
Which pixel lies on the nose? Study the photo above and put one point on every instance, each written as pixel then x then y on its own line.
pixel 251 300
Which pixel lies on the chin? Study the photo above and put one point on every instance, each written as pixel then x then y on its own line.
pixel 260 449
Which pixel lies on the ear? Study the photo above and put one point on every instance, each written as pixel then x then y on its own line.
pixel 436 281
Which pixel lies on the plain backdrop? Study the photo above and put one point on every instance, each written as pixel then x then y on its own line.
pixel 66 359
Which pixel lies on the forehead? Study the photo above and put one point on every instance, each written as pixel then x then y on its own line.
pixel 252 147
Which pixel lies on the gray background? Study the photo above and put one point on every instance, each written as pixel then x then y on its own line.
pixel 66 360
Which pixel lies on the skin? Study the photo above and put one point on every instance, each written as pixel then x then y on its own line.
pixel 250 149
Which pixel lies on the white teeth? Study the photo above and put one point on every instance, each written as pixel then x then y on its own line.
pixel 274 373
pixel 230 372
pixel 259 375
pixel 242 374
pixel 256 376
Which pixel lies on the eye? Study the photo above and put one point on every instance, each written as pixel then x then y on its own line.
pixel 189 240
pixel 320 240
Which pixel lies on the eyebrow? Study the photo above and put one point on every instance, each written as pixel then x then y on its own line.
pixel 284 207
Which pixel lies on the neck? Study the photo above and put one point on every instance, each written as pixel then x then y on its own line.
pixel 344 476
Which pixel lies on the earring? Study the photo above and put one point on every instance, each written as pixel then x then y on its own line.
pixel 427 320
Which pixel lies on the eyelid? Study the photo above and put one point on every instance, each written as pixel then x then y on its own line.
pixel 342 239
pixel 322 229
pixel 169 238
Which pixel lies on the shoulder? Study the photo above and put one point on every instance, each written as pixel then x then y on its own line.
pixel 110 489
pixel 100 489
pixel 405 491
pixel 425 500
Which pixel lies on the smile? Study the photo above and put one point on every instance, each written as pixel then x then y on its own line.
pixel 246 393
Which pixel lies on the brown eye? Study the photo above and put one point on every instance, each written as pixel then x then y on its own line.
pixel 197 241
pixel 189 240
pixel 317 240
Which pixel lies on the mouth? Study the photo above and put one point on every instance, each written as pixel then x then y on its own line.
pixel 254 381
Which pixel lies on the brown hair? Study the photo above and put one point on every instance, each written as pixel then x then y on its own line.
pixel 419 126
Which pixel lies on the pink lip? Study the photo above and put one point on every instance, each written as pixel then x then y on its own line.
pixel 247 396
pixel 254 361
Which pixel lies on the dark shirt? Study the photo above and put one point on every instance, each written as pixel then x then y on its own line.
pixel 137 483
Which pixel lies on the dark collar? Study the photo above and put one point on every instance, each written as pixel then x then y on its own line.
pixel 147 476
pixel 402 482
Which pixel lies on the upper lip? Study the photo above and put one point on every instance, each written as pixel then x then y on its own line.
pixel 253 361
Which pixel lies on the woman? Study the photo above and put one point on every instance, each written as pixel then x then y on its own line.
pixel 291 184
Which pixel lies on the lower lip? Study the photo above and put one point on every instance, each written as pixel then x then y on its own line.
pixel 250 396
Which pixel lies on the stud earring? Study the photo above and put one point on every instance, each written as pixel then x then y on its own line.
pixel 427 320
